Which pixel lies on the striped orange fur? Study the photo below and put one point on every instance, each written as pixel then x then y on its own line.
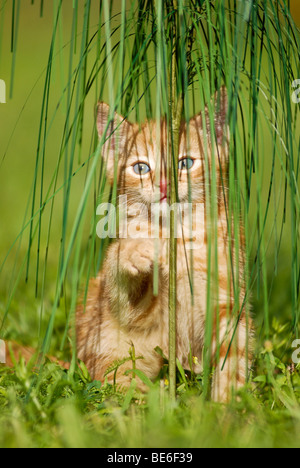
pixel 121 308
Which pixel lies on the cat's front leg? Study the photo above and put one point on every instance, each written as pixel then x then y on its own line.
pixel 129 279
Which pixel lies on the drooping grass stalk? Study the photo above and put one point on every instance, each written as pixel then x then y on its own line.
pixel 40 157
pixel 14 41
pixel 176 107
pixel 2 16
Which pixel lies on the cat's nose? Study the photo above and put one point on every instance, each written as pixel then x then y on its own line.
pixel 163 188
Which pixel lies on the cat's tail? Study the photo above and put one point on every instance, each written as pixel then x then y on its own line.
pixel 12 352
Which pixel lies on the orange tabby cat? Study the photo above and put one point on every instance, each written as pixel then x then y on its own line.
pixel 121 308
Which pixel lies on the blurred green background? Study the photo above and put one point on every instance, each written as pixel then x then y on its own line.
pixel 19 125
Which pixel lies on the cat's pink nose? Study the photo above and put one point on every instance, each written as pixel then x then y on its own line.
pixel 163 188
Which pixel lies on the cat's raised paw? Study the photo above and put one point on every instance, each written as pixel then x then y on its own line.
pixel 137 257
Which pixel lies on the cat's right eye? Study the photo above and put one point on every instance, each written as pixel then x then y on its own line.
pixel 141 168
pixel 185 164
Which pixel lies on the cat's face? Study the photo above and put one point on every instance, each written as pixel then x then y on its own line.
pixel 142 155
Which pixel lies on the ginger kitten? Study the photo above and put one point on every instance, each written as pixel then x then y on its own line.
pixel 121 308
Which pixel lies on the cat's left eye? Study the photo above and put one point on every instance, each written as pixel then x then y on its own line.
pixel 141 168
pixel 185 164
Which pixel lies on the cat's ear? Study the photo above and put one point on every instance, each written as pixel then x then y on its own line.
pixel 219 134
pixel 116 127
pixel 115 132
pixel 221 117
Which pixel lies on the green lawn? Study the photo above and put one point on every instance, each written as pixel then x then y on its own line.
pixel 57 409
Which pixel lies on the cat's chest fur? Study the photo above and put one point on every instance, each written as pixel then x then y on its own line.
pixel 143 316
pixel 142 319
pixel 123 310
